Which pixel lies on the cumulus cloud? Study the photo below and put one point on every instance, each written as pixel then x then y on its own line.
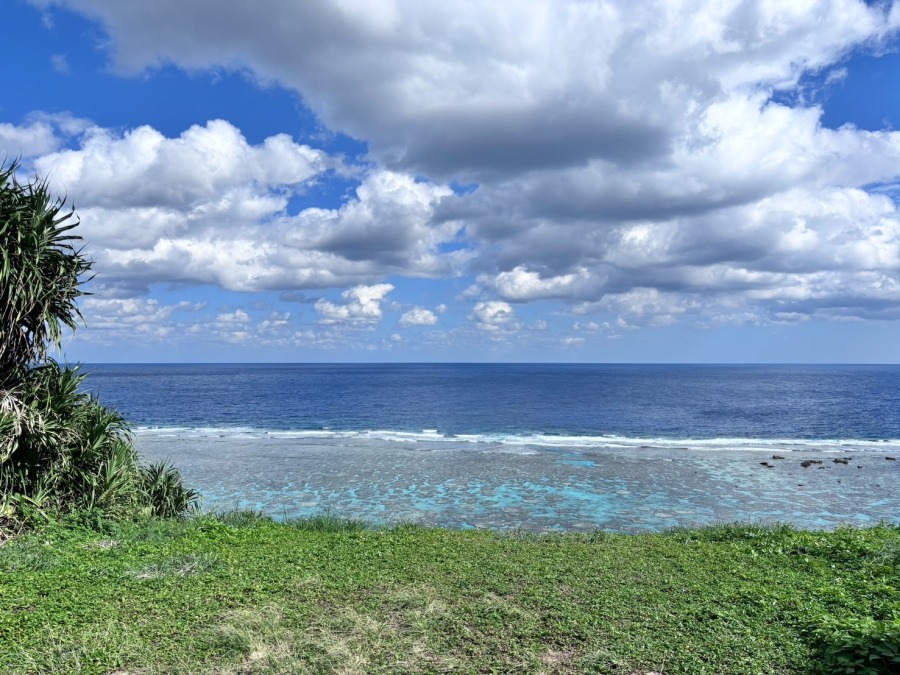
pixel 112 320
pixel 27 140
pixel 143 168
pixel 658 308
pixel 653 160
pixel 591 326
pixel 521 284
pixel 208 207
pixel 361 304
pixel 40 134
pixel 418 316
pixel 238 316
pixel 494 315
pixel 482 86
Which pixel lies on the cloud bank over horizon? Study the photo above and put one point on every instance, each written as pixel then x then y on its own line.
pixel 557 165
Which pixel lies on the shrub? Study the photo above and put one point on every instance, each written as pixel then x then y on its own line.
pixel 163 491
pixel 861 647
pixel 61 450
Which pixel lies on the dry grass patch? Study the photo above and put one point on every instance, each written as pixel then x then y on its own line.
pixel 260 637
pixel 558 662
pixel 64 652
pixel 179 566
pixel 337 639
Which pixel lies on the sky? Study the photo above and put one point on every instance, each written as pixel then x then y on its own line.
pixel 418 180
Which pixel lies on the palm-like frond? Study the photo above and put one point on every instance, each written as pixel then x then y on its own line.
pixel 40 272
pixel 60 449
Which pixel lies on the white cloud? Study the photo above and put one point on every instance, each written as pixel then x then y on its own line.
pixel 631 158
pixel 591 326
pixel 640 303
pixel 208 207
pixel 109 312
pixel 418 316
pixel 34 138
pixel 112 320
pixel 238 316
pixel 276 326
pixel 494 315
pixel 361 304
pixel 389 223
pixel 40 134
pixel 144 168
pixel 471 88
pixel 521 284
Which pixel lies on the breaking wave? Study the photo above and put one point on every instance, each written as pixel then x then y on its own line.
pixel 435 438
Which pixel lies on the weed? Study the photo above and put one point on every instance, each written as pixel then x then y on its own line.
pixel 27 554
pixel 327 522
pixel 240 517
pixel 861 646
pixel 180 566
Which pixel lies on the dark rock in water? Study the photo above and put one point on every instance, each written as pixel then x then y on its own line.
pixel 893 459
pixel 777 457
pixel 806 463
pixel 841 460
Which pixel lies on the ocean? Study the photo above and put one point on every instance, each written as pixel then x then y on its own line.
pixel 539 447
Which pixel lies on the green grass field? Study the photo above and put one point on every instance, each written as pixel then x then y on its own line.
pixel 242 594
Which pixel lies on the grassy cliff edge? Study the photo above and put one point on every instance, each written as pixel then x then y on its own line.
pixel 238 593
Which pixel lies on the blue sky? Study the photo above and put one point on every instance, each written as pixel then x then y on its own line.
pixel 423 181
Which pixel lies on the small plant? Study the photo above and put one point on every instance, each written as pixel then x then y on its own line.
pixel 241 517
pixel 327 522
pixel 163 490
pixel 26 555
pixel 179 566
pixel 859 647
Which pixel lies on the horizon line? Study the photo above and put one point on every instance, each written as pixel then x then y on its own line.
pixel 485 363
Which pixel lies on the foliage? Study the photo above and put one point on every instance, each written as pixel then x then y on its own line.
pixel 240 593
pixel 61 450
pixel 329 522
pixel 41 271
pixel 165 492
pixel 861 646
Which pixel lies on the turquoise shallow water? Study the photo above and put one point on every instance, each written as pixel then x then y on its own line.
pixel 539 488
pixel 537 446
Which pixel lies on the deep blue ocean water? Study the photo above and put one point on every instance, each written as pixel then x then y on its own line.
pixel 627 447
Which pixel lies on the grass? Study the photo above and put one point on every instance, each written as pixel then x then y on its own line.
pixel 238 593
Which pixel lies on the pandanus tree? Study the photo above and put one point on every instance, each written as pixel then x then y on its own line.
pixel 41 273
pixel 60 448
